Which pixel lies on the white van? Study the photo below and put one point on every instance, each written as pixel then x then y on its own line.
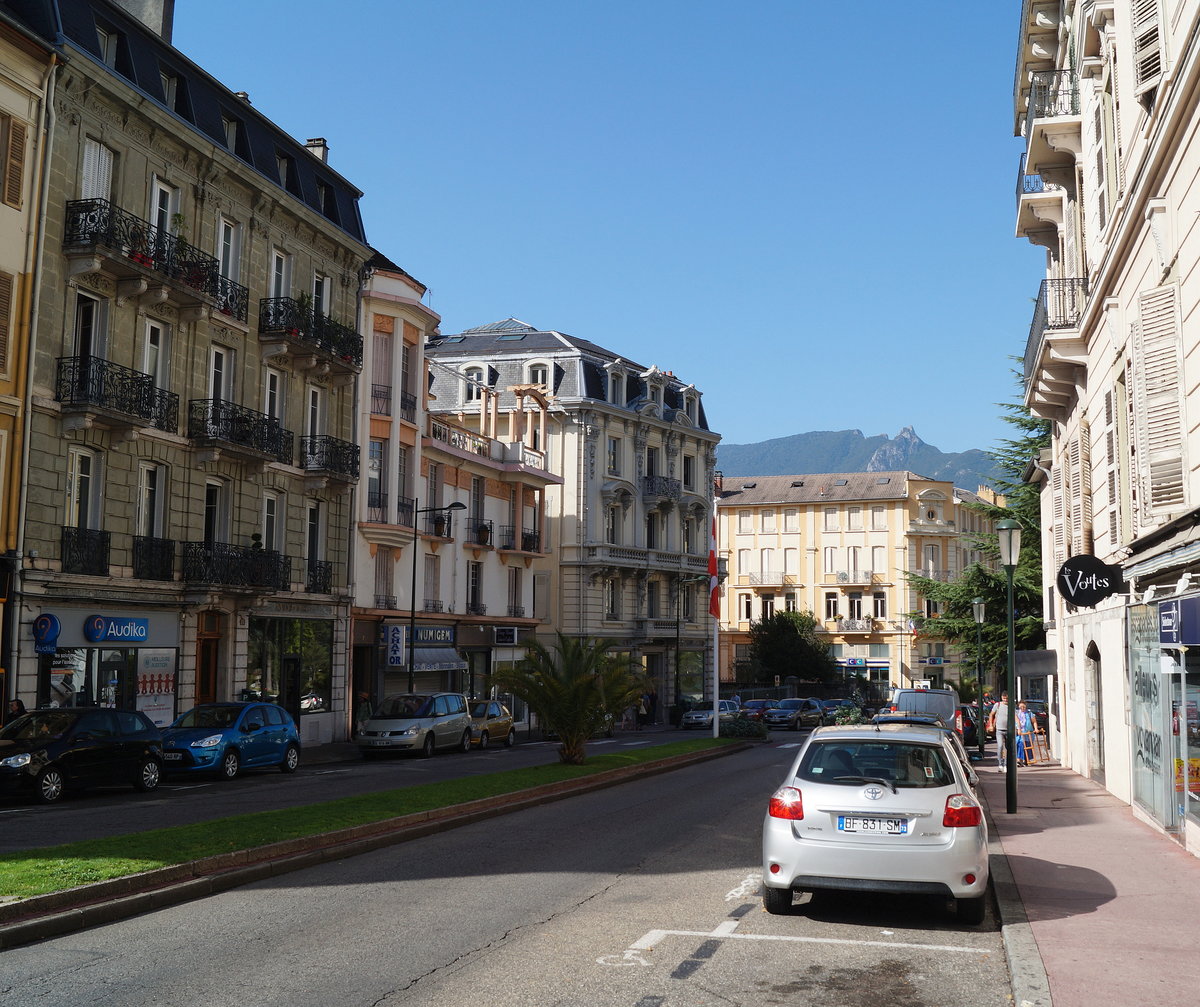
pixel 941 703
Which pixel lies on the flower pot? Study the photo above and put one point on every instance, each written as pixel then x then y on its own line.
pixel 483 534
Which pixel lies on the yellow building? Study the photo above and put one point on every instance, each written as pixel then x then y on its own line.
pixel 839 545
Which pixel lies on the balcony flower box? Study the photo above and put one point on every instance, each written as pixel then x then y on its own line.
pixel 142 259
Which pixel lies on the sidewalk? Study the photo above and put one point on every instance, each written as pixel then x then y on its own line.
pixel 1108 904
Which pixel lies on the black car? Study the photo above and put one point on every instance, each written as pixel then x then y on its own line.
pixel 44 752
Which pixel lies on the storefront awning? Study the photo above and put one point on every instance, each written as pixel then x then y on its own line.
pixel 436 659
pixel 1035 663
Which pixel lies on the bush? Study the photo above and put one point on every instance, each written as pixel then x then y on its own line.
pixel 849 715
pixel 742 728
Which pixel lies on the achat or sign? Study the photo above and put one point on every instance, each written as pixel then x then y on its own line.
pixel 1085 581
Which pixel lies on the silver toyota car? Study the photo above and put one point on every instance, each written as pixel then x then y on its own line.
pixel 877 808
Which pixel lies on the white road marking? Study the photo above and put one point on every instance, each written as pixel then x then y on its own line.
pixel 725 931
pixel 750 886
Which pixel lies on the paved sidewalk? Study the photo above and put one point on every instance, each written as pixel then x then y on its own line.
pixel 1109 904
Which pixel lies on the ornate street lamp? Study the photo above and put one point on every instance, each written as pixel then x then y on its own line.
pixel 1008 534
pixel 980 730
pixel 412 598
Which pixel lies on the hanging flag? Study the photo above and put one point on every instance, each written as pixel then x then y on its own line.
pixel 714 602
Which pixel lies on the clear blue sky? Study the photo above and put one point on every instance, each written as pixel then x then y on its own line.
pixel 806 209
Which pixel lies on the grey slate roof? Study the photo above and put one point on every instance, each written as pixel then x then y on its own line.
pixel 826 487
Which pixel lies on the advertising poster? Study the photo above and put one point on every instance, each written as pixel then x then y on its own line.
pixel 156 685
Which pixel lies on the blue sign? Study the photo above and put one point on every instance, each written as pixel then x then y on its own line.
pixel 1179 622
pixel 103 629
pixel 397 653
pixel 46 628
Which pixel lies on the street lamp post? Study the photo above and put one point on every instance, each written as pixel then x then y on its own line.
pixel 980 730
pixel 412 597
pixel 1008 535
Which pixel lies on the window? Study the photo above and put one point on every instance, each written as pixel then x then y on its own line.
pixel 854 518
pixel 273 394
pixel 688 528
pixel 216 513
pixel 791 519
pixel 220 384
pixel 745 517
pixel 229 235
pixel 402 475
pixel 831 605
pixel 931 608
pixel 652 530
pixel 164 207
pixel 789 602
pixel 879 559
pixel 880 605
pixel 539 374
pixel 853 560
pixel 516 604
pixel 151 497
pixel 281 273
pixel 614 456
pixel 768 520
pixel 473 384
pixel 90 316
pixel 743 561
pixel 270 522
pixel 879 650
pixel 6 296
pixel 376 480
pixel 768 606
pixel 229 127
pixel 745 607
pixel 321 293
pixel 831 522
pixel 612 525
pixel 931 560
pixel 651 461
pixel 12 150
pixel 97 177
pixel 878 518
pixel 474 588
pixel 689 472
pixel 791 561
pixel 687 601
pixel 829 554
pixel 689 407
pixel 314 419
pixel 433 583
pixel 766 561
pixel 314 536
pixel 612 598
pixel 154 353
pixel 170 88
pixel 652 596
pixel 854 604
pixel 283 166
pixel 106 39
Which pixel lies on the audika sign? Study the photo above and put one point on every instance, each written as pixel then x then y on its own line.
pixel 106 629
pixel 1084 581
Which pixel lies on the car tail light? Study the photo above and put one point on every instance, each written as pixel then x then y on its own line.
pixel 958 722
pixel 961 812
pixel 786 803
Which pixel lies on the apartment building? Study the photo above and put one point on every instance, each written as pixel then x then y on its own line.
pixel 449 517
pixel 626 522
pixel 840 546
pixel 185 509
pixel 1106 101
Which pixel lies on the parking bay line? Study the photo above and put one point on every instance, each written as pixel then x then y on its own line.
pixel 726 929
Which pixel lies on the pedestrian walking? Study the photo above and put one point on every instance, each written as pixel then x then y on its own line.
pixel 998 721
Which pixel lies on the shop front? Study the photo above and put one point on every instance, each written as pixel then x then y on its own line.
pixel 120 659
pixel 437 665
pixel 1166 717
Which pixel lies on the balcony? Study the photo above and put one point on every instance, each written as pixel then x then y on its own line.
pixel 513 539
pixel 85 551
pixel 1039 205
pixel 433 605
pixel 1055 353
pixel 460 438
pixel 239 432
pixel 319 579
pixel 377 507
pixel 770 578
pixel 439 524
pixel 219 564
pixel 852 578
pixel 656 560
pixel 329 458
pixel 476 608
pixel 286 325
pixel 96 392
pixel 479 532
pixel 404 511
pixel 516 611
pixel 929 573
pixel 660 489
pixel 386 601
pixel 153 558
pixel 408 407
pixel 381 400
pixel 1053 124
pixel 855 625
pixel 147 261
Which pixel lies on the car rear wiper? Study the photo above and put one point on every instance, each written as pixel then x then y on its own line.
pixel 868 779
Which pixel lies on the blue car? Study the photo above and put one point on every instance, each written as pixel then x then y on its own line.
pixel 225 738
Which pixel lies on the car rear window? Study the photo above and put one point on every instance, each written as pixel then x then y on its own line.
pixel 849 763
pixel 922 701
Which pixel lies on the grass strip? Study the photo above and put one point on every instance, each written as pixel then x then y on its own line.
pixel 56 868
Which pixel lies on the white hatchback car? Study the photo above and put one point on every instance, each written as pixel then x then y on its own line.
pixel 877 808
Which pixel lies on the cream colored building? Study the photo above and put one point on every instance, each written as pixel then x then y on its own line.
pixel 839 546
pixel 1106 99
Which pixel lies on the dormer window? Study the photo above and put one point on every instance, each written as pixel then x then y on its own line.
pixel 616 388
pixel 108 45
pixel 230 128
pixel 539 374
pixel 282 166
pixel 170 89
pixel 473 379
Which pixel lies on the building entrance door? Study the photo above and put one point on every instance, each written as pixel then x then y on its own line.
pixel 208 648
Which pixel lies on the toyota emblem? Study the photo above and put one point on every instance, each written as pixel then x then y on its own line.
pixel 873 793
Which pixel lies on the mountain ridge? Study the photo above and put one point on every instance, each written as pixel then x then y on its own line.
pixel 851 451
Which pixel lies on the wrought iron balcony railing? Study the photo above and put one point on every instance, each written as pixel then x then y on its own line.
pixel 228 565
pixel 476 608
pixel 320 576
pixel 531 540
pixel 222 421
pixel 153 558
pixel 1053 93
pixel 408 407
pixel 661 486
pixel 459 437
pixel 433 605
pixel 92 381
pixel 329 454
pixel 85 550
pixel 1059 305
pixel 439 524
pixel 523 539
pixel 381 400
pixel 479 531
pixel 404 511
pixel 99 222
pixel 516 611
pixel 855 625
pixel 377 502
pixel 387 601
pixel 287 316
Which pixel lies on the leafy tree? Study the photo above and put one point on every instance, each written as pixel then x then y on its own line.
pixel 573 687
pixel 786 643
pixel 987 580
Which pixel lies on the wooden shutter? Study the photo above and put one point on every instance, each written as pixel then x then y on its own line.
pixel 1056 483
pixel 1147 45
pixel 14 163
pixel 1087 539
pixel 1158 407
pixel 97 171
pixel 6 297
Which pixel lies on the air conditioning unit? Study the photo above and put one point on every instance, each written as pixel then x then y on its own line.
pixel 504 636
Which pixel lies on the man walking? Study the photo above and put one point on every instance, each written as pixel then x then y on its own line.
pixel 999 721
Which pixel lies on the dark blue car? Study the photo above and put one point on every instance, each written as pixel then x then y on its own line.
pixel 226 738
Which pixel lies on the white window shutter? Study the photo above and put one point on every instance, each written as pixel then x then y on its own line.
pixel 1158 407
pixel 1148 56
pixel 1056 482
pixel 1087 542
pixel 1076 498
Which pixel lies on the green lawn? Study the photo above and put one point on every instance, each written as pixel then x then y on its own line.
pixel 55 868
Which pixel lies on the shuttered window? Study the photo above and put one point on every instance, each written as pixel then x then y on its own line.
pixel 97 171
pixel 13 135
pixel 6 299
pixel 1147 45
pixel 1158 407
pixel 1087 541
pixel 1056 483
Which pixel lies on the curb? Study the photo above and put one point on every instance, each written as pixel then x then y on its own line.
pixel 58 913
pixel 1026 971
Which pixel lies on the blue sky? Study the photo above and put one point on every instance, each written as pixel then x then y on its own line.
pixel 805 209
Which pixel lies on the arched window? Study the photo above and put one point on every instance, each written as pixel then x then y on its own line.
pixel 473 379
pixel 539 374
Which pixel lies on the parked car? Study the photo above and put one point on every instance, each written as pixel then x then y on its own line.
pixel 970 725
pixel 880 808
pixel 225 738
pixel 417 721
pixel 46 752
pixel 702 716
pixel 753 709
pixel 794 714
pixel 830 708
pixel 491 721
pixel 943 703
pixel 929 720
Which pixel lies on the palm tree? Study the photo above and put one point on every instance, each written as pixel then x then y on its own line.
pixel 573 687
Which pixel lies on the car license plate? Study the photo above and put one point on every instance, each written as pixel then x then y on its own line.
pixel 879 826
pixel 172 756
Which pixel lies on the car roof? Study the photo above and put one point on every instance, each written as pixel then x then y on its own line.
pixel 893 732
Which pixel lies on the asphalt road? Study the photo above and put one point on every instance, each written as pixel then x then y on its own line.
pixel 642 895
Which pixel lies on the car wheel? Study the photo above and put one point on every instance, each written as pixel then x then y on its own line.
pixel 428 746
pixel 777 901
pixel 484 738
pixel 465 744
pixel 971 911
pixel 148 775
pixel 511 738
pixel 231 764
pixel 50 785
pixel 291 760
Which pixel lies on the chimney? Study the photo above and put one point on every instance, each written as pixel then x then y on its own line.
pixel 319 148
pixel 157 15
